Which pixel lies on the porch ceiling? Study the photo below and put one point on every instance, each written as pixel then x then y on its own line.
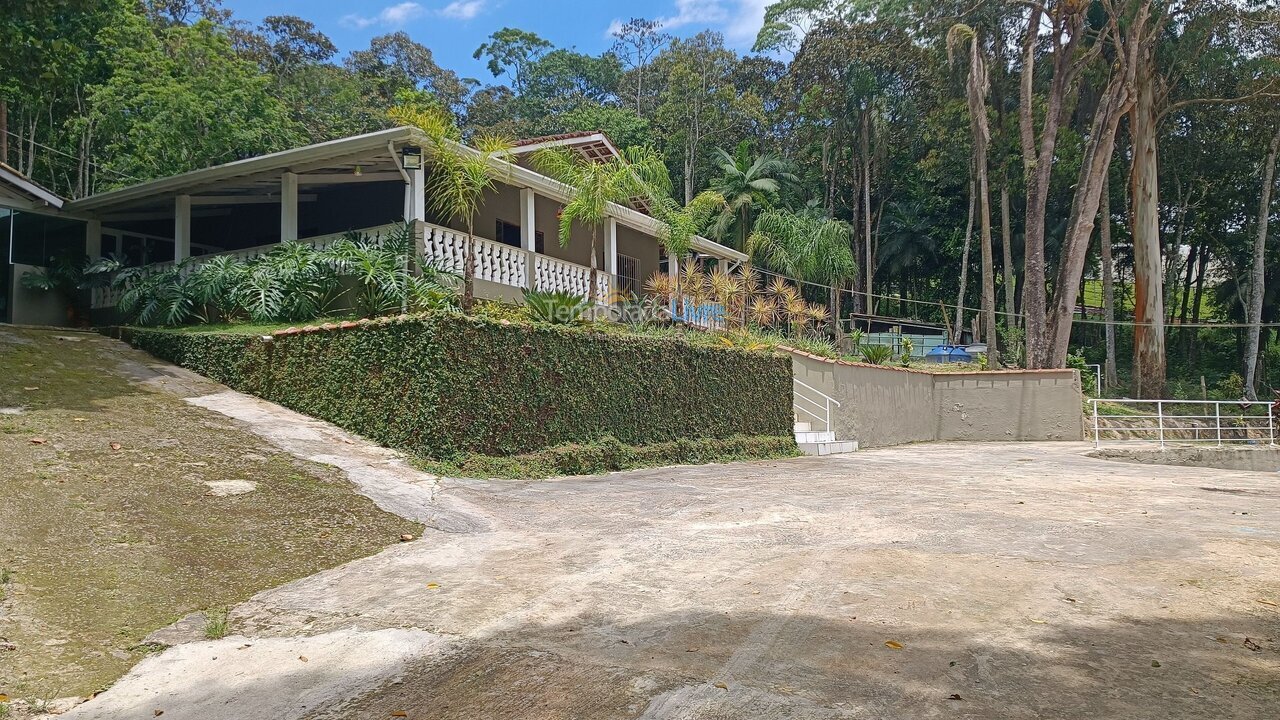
pixel 324 163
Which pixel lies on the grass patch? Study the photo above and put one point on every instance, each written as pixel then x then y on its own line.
pixel 609 455
pixel 215 623
pixel 105 545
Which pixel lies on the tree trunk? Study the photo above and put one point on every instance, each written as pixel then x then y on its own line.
pixel 469 270
pixel 1094 168
pixel 1257 274
pixel 1192 259
pixel 866 206
pixel 964 265
pixel 1006 257
pixel 1110 378
pixel 977 89
pixel 591 288
pixel 1148 301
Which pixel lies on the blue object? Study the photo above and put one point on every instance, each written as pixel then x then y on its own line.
pixel 948 354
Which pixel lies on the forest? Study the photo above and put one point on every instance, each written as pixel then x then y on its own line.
pixel 1068 176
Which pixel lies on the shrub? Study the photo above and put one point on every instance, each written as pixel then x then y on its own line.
pixel 876 354
pixel 608 454
pixel 557 308
pixel 444 385
pixel 294 282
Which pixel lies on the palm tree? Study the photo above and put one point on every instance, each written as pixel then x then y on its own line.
pixel 595 185
pixel 748 185
pixel 459 175
pixel 976 86
pixel 681 224
pixel 807 246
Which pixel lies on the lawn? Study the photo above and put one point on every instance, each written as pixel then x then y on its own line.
pixel 108 530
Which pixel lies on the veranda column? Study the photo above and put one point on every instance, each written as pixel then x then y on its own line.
pixel 288 207
pixel 529 235
pixel 181 228
pixel 93 239
pixel 415 196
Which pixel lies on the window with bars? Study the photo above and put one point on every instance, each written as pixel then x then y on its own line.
pixel 628 275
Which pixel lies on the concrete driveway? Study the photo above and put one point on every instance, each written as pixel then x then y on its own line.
pixel 978 581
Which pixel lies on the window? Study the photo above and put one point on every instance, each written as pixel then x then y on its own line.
pixel 509 234
pixel 38 239
pixel 628 275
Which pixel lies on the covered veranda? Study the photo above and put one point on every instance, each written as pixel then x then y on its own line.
pixel 370 183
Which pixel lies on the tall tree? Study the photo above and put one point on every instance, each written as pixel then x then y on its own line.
pixel 636 43
pixel 1065 21
pixel 513 51
pixel 749 184
pixel 976 87
pixel 1257 272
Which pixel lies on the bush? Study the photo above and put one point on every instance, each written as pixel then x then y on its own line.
pixel 294 282
pixel 608 454
pixel 557 308
pixel 443 385
pixel 876 354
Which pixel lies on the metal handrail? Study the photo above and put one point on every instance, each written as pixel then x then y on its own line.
pixel 827 402
pixel 1163 429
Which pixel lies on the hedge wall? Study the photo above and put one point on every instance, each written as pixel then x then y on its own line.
pixel 445 385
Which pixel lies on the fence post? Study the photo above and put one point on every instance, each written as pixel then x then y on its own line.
pixel 1217 420
pixel 1271 425
pixel 1160 417
pixel 1096 444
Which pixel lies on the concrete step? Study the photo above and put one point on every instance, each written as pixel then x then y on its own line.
pixel 809 436
pixel 827 448
pixel 803 426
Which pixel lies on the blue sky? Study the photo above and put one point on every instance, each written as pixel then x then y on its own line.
pixel 453 29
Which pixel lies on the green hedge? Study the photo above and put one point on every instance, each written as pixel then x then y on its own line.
pixel 609 454
pixel 445 386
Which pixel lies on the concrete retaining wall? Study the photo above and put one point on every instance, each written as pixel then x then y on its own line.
pixel 883 405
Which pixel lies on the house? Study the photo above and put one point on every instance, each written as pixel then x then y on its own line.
pixel 31 231
pixel 370 183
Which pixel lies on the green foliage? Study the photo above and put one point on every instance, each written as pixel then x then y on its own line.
pixel 1088 378
pixel 215 623
pixel 608 454
pixel 908 347
pixel 444 385
pixel 181 99
pixel 1231 386
pixel 460 175
pixel 294 282
pixel 556 308
pixel 876 354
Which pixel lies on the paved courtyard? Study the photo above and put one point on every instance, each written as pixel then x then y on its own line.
pixel 970 581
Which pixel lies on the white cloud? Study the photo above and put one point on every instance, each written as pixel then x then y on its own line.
pixel 695 12
pixel 390 16
pixel 747 21
pixel 463 9
pixel 739 20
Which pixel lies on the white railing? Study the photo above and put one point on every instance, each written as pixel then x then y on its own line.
pixel 819 409
pixel 555 275
pixel 507 265
pixel 1175 422
pixel 495 262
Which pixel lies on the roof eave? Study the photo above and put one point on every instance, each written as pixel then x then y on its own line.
pixel 278 160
